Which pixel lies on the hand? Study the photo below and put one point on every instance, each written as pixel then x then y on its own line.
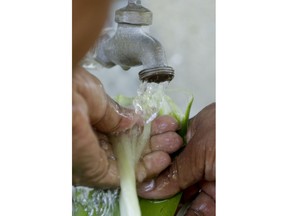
pixel 193 169
pixel 95 115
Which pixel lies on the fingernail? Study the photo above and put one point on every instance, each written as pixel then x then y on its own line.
pixel 147 186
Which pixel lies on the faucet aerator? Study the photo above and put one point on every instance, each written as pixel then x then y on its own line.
pixel 157 75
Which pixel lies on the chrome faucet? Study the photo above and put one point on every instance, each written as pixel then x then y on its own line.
pixel 131 46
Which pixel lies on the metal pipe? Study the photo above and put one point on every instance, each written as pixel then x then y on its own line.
pixel 131 46
pixel 134 1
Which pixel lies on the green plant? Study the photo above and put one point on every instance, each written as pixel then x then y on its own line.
pixel 151 101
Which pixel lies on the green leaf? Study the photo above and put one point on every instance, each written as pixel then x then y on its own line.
pixel 79 210
pixel 185 120
pixel 165 207
pixel 151 102
pixel 124 101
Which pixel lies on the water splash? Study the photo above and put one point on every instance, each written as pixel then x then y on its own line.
pixel 95 202
pixel 149 99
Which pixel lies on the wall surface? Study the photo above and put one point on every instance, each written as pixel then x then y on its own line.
pixel 186 29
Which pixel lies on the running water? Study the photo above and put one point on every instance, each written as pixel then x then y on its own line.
pixel 150 98
pixel 91 202
pixel 151 101
pixel 128 146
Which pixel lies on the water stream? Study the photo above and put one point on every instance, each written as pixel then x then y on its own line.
pixel 151 100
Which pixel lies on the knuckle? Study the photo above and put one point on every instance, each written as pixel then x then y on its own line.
pixel 164 124
pixel 96 174
pixel 79 117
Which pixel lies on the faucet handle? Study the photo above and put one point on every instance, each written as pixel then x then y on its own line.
pixel 134 14
pixel 157 74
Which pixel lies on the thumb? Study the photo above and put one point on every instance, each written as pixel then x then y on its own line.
pixel 91 166
pixel 116 118
pixel 194 163
pixel 104 113
pixel 164 186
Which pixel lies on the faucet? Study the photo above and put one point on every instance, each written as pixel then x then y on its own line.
pixel 131 46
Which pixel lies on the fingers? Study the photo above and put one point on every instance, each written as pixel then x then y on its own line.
pixel 196 162
pixel 164 138
pixel 164 124
pixel 152 164
pixel 91 166
pixel 104 113
pixel 193 164
pixel 209 188
pixel 156 154
pixel 107 116
pixel 204 203
pixel 116 118
pixel 204 120
pixel 168 142
pixel 164 186
pixel 186 170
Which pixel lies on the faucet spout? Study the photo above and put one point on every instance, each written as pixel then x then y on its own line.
pixel 131 46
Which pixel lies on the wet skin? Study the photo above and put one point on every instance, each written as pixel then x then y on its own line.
pixel 193 170
pixel 95 116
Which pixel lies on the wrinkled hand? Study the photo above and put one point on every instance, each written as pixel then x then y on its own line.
pixel 95 115
pixel 193 169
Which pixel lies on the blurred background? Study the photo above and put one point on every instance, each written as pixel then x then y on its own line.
pixel 186 29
